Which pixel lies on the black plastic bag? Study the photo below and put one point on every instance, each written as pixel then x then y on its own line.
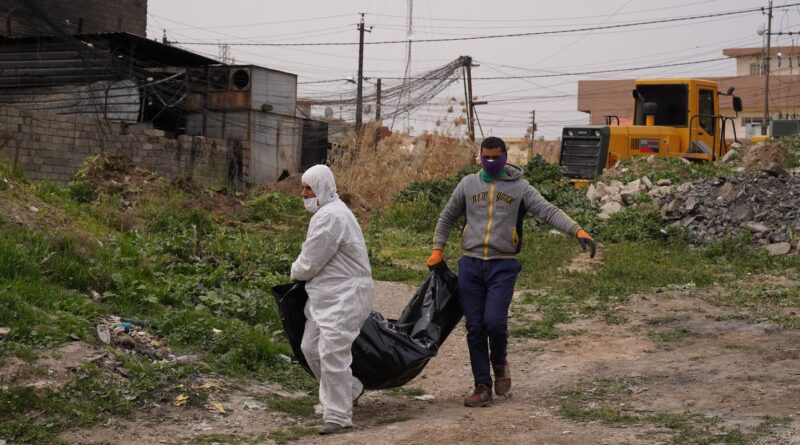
pixel 387 353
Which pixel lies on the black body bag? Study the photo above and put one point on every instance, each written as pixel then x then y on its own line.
pixel 387 353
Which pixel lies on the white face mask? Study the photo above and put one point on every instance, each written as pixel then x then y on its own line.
pixel 311 204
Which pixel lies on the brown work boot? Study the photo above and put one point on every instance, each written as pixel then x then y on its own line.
pixel 482 396
pixel 502 379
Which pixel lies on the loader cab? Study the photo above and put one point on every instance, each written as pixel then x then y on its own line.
pixel 689 106
pixel 668 104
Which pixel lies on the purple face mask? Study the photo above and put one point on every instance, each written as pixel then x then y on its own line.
pixel 495 166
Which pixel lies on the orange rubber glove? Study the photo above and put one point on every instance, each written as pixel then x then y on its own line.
pixel 435 258
pixel 586 240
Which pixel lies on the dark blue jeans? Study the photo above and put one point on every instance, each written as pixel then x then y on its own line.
pixel 486 288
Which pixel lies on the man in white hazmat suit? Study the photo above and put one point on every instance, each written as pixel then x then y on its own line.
pixel 335 266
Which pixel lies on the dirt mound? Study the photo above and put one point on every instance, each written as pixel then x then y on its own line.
pixel 291 185
pixel 117 174
pixel 763 156
pixel 767 206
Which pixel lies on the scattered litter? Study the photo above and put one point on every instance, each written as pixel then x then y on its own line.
pixel 318 409
pixel 33 209
pixel 130 335
pixel 216 331
pixel 104 334
pixel 249 404
pixel 210 384
pixel 5 331
pixel 95 296
pixel 218 407
pixel 426 398
pixel 284 358
pixel 180 400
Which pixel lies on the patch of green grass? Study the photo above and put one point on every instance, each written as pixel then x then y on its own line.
pixel 418 215
pixel 642 224
pixel 553 308
pixel 30 415
pixel 293 406
pixel 596 401
pixel 671 335
pixel 275 208
pixel 406 391
pixel 761 301
pixel 607 401
pixel 291 434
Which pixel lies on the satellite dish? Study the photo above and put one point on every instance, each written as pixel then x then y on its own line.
pixel 328 112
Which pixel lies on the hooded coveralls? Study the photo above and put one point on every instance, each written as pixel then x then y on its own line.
pixel 335 266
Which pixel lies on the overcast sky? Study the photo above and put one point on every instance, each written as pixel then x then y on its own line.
pixel 510 100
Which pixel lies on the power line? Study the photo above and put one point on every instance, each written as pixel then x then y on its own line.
pixel 498 36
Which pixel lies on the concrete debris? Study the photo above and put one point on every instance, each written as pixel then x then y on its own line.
pixel 767 206
pixel 728 157
pixel 757 227
pixel 779 249
pixel 608 209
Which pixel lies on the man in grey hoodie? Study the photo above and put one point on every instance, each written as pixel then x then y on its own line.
pixel 494 203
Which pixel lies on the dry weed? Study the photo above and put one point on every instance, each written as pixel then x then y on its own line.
pixel 375 172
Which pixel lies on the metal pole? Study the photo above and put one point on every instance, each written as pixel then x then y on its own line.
pixel 378 101
pixel 360 83
pixel 470 105
pixel 765 125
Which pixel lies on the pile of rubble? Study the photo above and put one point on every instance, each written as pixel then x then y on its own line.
pixel 766 205
pixel 615 195
pixel 112 330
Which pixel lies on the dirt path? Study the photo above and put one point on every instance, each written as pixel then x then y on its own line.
pixel 676 359
pixel 728 369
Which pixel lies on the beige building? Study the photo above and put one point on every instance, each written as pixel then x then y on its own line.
pixel 601 98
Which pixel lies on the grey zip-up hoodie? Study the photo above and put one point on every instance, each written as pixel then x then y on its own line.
pixel 494 212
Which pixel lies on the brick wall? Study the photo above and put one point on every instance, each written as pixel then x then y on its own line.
pixel 98 16
pixel 51 146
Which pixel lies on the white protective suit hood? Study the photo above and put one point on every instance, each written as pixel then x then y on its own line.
pixel 335 266
pixel 320 179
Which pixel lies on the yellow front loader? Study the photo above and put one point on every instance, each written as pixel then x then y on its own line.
pixel 671 117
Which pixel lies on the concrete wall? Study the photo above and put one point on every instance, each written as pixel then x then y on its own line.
pixel 52 146
pixel 98 16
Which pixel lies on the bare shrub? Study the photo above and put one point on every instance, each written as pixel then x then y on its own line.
pixel 376 172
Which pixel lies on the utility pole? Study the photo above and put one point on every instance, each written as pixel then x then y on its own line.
pixel 533 133
pixel 378 101
pixel 360 83
pixel 470 106
pixel 765 125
